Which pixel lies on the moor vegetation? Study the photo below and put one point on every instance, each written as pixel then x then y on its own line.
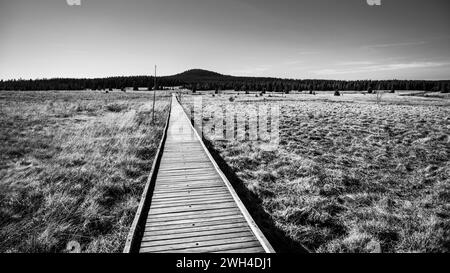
pixel 350 174
pixel 73 166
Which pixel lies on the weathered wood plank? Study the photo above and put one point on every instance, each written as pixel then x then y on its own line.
pixel 189 208
pixel 206 246
pixel 179 227
pixel 191 215
pixel 216 192
pixel 199 236
pixel 186 191
pixel 201 240
pixel 186 231
pixel 220 248
pixel 198 220
pixel 188 186
pixel 192 202
pixel 168 179
pixel 190 183
pixel 190 193
pixel 239 249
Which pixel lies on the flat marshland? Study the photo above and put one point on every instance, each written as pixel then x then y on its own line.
pixel 73 165
pixel 350 173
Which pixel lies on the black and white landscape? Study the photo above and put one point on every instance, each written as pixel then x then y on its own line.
pixel 323 124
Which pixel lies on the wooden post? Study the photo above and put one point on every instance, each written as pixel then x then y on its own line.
pixel 154 98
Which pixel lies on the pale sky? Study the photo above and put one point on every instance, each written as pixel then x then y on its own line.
pixel 327 39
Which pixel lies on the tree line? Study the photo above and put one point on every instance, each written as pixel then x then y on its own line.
pixel 278 85
pixel 86 84
pixel 222 82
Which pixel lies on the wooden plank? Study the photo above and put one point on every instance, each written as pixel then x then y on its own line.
pixel 210 177
pixel 218 191
pixel 212 245
pixel 205 200
pixel 199 188
pixel 179 227
pixel 202 220
pixel 190 166
pixel 257 249
pixel 193 203
pixel 191 215
pixel 184 161
pixel 176 199
pixel 185 168
pixel 199 173
pixel 190 183
pixel 187 199
pixel 185 206
pixel 196 236
pixel 181 171
pixel 189 193
pixel 190 208
pixel 188 186
pixel 220 248
pixel 192 190
pixel 201 240
pixel 186 231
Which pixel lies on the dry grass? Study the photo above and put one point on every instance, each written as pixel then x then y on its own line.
pixel 350 175
pixel 73 166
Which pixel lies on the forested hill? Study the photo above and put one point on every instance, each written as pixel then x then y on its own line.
pixel 199 79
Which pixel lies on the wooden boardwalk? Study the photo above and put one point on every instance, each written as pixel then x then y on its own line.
pixel 192 206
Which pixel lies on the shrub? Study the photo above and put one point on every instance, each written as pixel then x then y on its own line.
pixel 231 99
pixel 337 93
pixel 370 90
pixel 114 107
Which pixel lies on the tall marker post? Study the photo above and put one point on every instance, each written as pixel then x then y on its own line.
pixel 154 98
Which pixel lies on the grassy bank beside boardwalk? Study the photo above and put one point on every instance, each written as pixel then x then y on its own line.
pixel 73 165
pixel 351 173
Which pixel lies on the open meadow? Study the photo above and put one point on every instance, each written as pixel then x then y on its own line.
pixel 73 165
pixel 351 173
